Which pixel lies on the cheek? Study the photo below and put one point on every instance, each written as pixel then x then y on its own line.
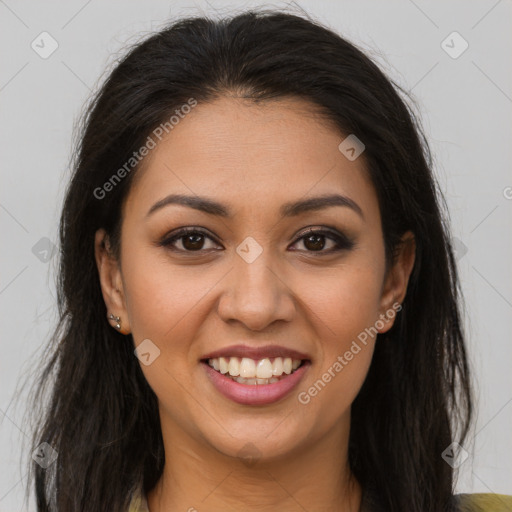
pixel 167 305
pixel 333 387
pixel 342 303
pixel 161 297
pixel 344 309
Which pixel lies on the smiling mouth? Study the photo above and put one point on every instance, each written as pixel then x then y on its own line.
pixel 255 371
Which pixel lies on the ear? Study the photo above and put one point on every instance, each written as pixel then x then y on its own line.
pixel 111 281
pixel 395 283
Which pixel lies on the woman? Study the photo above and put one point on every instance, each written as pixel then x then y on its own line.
pixel 230 343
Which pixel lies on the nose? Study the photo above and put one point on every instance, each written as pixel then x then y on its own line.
pixel 256 295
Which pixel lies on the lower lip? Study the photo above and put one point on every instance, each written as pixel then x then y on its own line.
pixel 257 394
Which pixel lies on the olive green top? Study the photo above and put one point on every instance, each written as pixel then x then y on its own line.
pixel 485 503
pixel 466 503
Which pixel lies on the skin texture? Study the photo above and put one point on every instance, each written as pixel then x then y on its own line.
pixel 252 158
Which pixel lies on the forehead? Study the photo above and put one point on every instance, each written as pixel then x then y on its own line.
pixel 254 155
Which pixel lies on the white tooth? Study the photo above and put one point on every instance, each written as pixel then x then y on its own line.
pixel 296 363
pixel 215 363
pixel 251 382
pixel 262 381
pixel 240 380
pixel 287 365
pixel 223 365
pixel 247 368
pixel 272 380
pixel 234 366
pixel 264 369
pixel 277 366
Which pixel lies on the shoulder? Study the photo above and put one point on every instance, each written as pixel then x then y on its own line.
pixel 485 502
pixel 138 501
pixel 464 502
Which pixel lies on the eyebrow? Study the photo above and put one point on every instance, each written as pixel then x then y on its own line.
pixel 291 209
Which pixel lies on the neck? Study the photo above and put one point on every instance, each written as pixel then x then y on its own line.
pixel 197 478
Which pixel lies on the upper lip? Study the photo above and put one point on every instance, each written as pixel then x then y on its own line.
pixel 256 352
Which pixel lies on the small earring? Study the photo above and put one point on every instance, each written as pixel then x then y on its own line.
pixel 116 319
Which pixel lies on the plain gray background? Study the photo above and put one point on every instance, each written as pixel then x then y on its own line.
pixel 465 104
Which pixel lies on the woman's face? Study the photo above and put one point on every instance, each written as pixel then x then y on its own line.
pixel 253 277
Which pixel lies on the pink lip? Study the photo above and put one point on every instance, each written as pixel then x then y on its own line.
pixel 258 394
pixel 256 352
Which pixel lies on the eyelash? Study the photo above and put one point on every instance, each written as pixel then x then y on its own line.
pixel 343 243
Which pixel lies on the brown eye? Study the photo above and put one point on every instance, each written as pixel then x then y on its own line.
pixel 315 241
pixel 190 239
pixel 193 242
